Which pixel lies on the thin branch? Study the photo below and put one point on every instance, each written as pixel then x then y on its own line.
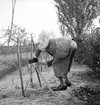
pixel 13 9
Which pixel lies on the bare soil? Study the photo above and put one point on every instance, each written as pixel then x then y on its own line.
pixel 10 88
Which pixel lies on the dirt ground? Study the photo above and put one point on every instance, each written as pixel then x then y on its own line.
pixel 10 88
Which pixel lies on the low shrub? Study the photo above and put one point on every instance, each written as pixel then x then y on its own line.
pixel 9 65
pixel 89 51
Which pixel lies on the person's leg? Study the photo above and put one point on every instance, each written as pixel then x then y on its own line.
pixel 67 82
pixel 71 59
pixel 59 67
pixel 61 81
pixel 61 86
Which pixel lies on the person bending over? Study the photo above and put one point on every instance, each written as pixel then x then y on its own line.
pixel 62 50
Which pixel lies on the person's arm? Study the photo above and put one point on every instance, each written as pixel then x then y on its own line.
pixel 37 53
pixel 35 58
pixel 49 63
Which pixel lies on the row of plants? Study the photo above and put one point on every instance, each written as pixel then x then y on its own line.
pixel 88 52
pixel 9 64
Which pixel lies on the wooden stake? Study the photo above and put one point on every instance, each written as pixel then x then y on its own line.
pixel 32 65
pixel 26 55
pixel 20 51
pixel 19 64
pixel 44 80
pixel 31 79
pixel 13 10
pixel 38 78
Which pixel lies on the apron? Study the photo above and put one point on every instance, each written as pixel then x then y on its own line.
pixel 62 66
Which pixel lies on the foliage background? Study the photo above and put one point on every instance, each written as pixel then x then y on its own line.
pixel 88 52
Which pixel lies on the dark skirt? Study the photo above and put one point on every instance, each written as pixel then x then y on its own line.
pixel 62 66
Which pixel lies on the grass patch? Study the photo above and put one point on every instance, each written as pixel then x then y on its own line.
pixel 10 65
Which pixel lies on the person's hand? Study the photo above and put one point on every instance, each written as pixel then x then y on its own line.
pixel 34 60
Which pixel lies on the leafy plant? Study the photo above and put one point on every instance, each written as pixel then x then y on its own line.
pixel 89 51
pixel 77 15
